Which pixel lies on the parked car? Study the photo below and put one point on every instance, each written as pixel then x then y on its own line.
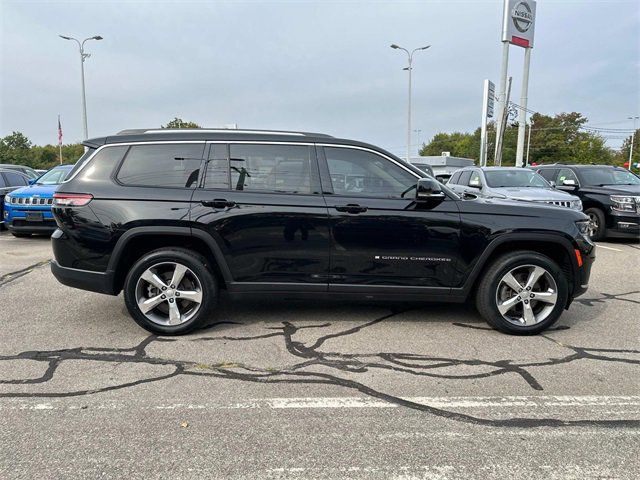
pixel 28 171
pixel 510 182
pixel 28 209
pixel 171 217
pixel 610 196
pixel 425 167
pixel 9 181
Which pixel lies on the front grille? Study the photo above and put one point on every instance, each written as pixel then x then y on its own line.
pixel 31 201
pixel 559 203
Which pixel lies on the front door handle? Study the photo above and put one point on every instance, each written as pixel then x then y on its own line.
pixel 351 208
pixel 218 203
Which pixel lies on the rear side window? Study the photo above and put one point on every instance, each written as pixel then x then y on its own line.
pixel 464 177
pixel 271 168
pixel 454 178
pixel 102 164
pixel 166 165
pixel 15 179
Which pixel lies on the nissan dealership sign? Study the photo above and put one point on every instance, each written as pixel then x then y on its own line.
pixel 519 21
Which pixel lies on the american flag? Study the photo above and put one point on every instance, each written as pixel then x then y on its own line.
pixel 59 131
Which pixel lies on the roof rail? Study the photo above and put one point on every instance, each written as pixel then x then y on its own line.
pixel 142 131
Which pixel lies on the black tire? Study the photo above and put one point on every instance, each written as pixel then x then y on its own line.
pixel 20 235
pixel 487 293
pixel 596 216
pixel 199 267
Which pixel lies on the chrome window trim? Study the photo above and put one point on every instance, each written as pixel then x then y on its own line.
pixel 225 130
pixel 356 147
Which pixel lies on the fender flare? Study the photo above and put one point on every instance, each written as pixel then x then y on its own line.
pixel 135 232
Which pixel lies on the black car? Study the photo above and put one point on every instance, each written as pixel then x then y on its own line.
pixel 28 171
pixel 9 181
pixel 173 217
pixel 610 196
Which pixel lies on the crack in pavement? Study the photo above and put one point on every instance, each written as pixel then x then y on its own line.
pixel 417 365
pixel 11 276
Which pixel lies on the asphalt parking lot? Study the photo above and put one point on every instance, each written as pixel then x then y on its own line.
pixel 314 390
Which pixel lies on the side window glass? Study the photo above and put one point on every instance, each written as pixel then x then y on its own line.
pixel 548 174
pixel 358 172
pixel 217 174
pixel 163 165
pixel 464 178
pixel 271 168
pixel 15 179
pixel 2 182
pixel 566 174
pixel 454 178
pixel 475 180
pixel 101 164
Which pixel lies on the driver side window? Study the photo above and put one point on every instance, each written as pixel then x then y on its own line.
pixel 565 174
pixel 361 173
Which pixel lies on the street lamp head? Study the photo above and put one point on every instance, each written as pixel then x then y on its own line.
pixel 393 45
pixel 424 48
pixel 66 38
pixel 97 37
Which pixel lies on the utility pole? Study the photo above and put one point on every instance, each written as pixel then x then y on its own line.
pixel 633 138
pixel 409 68
pixel 83 57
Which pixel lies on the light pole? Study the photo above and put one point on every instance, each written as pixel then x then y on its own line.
pixel 409 68
pixel 633 138
pixel 83 57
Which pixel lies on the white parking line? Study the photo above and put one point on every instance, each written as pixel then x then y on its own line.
pixel 344 402
pixel 599 245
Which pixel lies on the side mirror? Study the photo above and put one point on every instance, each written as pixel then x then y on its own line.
pixel 428 189
pixel 552 183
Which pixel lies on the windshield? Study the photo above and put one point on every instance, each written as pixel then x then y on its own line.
pixel 53 177
pixel 608 176
pixel 515 178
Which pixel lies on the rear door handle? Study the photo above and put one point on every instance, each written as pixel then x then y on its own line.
pixel 351 208
pixel 218 203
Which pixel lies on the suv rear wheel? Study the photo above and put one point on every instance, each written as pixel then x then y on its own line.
pixel 170 291
pixel 523 293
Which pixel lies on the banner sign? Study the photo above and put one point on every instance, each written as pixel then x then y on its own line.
pixel 518 22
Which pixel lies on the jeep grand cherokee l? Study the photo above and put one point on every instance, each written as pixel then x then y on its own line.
pixel 172 217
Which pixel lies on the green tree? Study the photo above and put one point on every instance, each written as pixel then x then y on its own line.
pixel 14 149
pixel 179 123
pixel 623 155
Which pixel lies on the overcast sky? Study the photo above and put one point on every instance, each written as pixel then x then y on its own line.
pixel 317 66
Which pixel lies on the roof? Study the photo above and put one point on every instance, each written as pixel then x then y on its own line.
pixel 556 165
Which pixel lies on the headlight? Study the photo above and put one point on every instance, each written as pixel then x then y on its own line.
pixel 624 203
pixel 576 205
pixel 584 227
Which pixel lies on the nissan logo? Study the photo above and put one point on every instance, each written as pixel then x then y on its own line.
pixel 522 17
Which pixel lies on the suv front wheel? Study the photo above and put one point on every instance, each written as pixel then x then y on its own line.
pixel 170 291
pixel 523 293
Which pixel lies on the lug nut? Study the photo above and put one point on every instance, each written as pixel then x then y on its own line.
pixel 526 302
pixel 519 298
pixel 173 286
pixel 163 296
pixel 520 290
pixel 171 300
pixel 532 295
pixel 177 294
pixel 164 288
pixel 528 288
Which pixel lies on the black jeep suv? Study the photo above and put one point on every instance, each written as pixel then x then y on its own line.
pixel 610 196
pixel 173 216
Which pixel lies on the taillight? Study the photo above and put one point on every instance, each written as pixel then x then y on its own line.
pixel 71 199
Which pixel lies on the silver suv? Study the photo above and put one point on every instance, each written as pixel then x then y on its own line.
pixel 510 183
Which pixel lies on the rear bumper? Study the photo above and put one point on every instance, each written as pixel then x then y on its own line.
pixel 100 282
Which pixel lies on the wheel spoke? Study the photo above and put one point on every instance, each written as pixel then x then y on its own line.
pixel 148 304
pixel 178 274
pixel 534 276
pixel 150 277
pixel 547 297
pixel 529 317
pixel 174 314
pixel 510 280
pixel 507 305
pixel 191 295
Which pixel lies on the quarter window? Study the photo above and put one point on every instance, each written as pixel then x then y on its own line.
pixel 271 168
pixel 358 172
pixel 166 165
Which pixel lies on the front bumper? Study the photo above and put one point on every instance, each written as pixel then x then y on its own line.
pixel 624 225
pixel 15 219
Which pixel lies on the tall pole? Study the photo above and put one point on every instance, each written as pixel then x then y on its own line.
pixel 526 163
pixel 522 116
pixel 409 68
pixel 502 94
pixel 83 57
pixel 633 138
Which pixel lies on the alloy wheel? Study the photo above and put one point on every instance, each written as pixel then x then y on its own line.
pixel 593 225
pixel 526 295
pixel 169 293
